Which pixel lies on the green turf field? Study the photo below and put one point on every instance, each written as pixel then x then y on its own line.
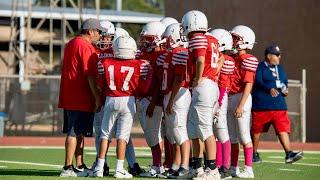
pixel 45 163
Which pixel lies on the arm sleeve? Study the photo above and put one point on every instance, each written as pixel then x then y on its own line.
pixel 285 77
pixel 145 79
pixel 89 60
pixel 179 62
pixel 198 45
pixel 260 83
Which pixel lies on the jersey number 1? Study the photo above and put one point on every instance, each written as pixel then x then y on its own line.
pixel 125 86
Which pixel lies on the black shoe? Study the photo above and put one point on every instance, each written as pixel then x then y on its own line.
pixel 292 157
pixel 224 173
pixel 167 173
pixel 256 158
pixel 105 170
pixel 136 170
pixel 182 173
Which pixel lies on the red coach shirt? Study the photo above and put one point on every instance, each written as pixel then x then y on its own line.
pixel 75 93
pixel 204 45
pixel 245 70
pixel 174 64
pixel 123 77
pixel 226 72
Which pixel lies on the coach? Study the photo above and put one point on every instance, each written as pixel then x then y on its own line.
pixel 269 105
pixel 78 95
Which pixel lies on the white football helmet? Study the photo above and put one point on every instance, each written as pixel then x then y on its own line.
pixel 194 21
pixel 106 36
pixel 120 32
pixel 224 39
pixel 243 37
pixel 151 35
pixel 166 21
pixel 124 47
pixel 172 36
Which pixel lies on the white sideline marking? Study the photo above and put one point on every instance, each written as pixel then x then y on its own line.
pixel 3 166
pixel 302 164
pixel 31 163
pixel 136 148
pixel 292 170
pixel 138 154
pixel 282 157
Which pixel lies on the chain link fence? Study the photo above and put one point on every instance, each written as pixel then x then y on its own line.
pixel 34 112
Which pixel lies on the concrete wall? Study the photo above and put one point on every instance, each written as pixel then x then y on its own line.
pixel 293 24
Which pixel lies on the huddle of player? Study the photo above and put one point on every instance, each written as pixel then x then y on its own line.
pixel 190 89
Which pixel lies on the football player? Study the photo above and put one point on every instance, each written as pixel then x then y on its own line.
pixel 177 99
pixel 149 105
pixel 124 76
pixel 221 129
pixel 239 103
pixel 104 51
pixel 206 64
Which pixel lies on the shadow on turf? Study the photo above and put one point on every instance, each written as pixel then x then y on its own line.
pixel 30 172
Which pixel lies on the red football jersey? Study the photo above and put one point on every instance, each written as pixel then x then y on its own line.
pixel 123 77
pixel 205 45
pixel 175 63
pixel 156 78
pixel 151 57
pixel 226 72
pixel 244 72
pixel 75 93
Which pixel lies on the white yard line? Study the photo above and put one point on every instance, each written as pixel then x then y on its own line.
pixel 278 162
pixel 292 170
pixel 282 157
pixel 136 148
pixel 3 167
pixel 138 154
pixel 30 163
pixel 296 163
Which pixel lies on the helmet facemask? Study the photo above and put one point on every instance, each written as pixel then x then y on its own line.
pixel 148 43
pixel 183 36
pixel 105 41
pixel 237 40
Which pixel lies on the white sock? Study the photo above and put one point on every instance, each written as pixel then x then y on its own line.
pixel 249 168
pixel 175 167
pixel 185 167
pixel 119 166
pixel 100 164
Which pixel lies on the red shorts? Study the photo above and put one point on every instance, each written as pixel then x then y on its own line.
pixel 261 121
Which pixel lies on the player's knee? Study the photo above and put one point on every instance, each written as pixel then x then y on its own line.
pixel 180 135
pixel 222 135
pixel 245 138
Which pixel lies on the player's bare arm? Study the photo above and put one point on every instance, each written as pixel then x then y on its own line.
pixel 175 88
pixel 220 63
pixel 200 61
pixel 245 95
